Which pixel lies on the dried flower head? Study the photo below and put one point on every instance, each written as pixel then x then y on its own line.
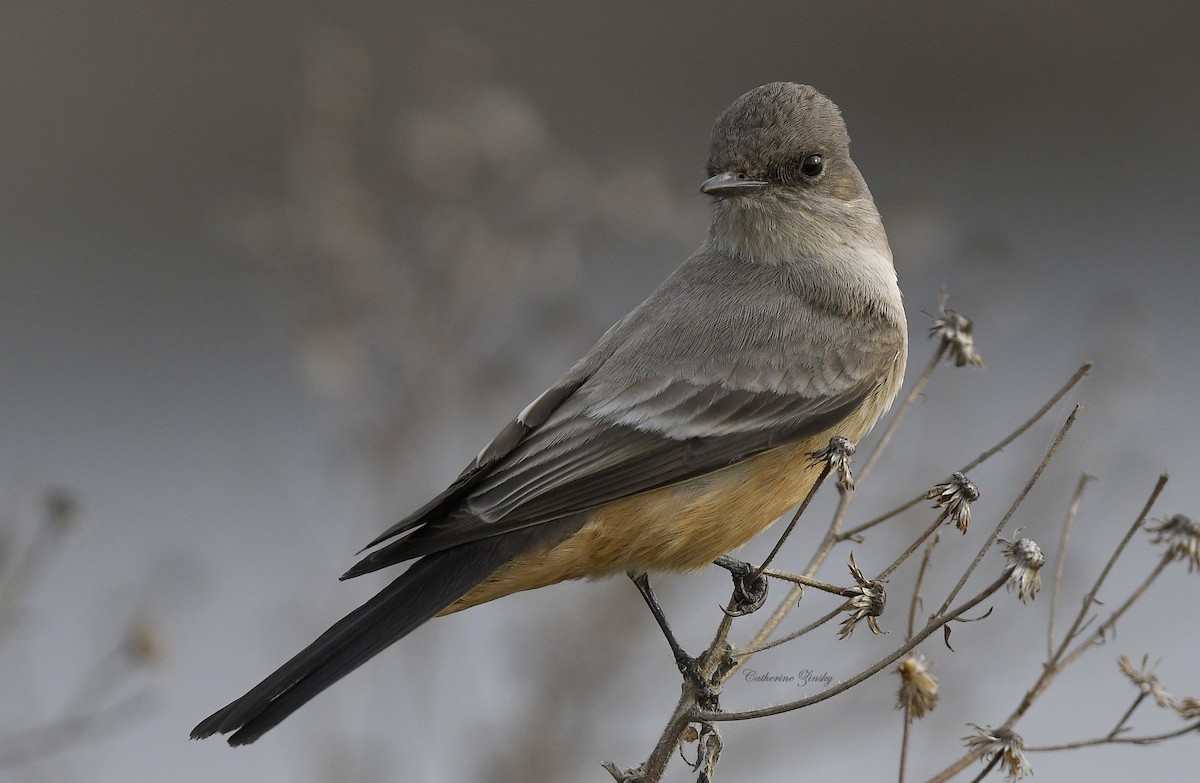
pixel 954 331
pixel 1188 707
pixel 1024 568
pixel 1146 680
pixel 837 454
pixel 956 496
pixel 918 688
pixel 1004 742
pixel 1182 535
pixel 867 603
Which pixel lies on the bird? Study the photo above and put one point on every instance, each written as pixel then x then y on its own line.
pixel 687 429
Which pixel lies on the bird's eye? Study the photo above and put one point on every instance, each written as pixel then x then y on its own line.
pixel 812 166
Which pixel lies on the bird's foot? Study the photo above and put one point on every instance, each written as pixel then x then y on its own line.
pixel 749 587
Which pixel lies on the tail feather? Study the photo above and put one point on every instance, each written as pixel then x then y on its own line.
pixel 428 586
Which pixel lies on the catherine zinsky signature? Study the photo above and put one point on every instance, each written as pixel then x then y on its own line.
pixel 802 678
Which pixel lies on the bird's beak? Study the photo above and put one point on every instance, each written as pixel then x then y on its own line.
pixel 730 184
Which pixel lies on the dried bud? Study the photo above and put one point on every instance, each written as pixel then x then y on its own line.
pixel 1024 568
pixel 1146 680
pixel 954 331
pixel 918 688
pixel 838 454
pixel 956 495
pixel 867 603
pixel 1005 742
pixel 1188 707
pixel 1182 537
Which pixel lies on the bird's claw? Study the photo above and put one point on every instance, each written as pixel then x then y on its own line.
pixel 749 588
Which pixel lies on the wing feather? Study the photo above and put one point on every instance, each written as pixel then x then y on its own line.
pixel 644 411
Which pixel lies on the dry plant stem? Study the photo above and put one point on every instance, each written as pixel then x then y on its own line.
pixel 904 741
pixel 913 608
pixel 1147 740
pixel 988 768
pixel 1037 474
pixel 887 572
pixel 1060 561
pixel 1096 636
pixel 758 646
pixel 907 553
pixel 812 491
pixel 985 456
pixel 915 605
pixel 933 625
pixel 832 535
pixel 655 765
pixel 1090 597
pixel 1059 661
pixel 807 581
pixel 815 624
pixel 902 411
pixel 1117 729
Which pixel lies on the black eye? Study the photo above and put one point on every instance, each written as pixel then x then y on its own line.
pixel 812 166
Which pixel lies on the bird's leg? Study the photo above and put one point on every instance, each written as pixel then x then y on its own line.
pixel 689 666
pixel 749 587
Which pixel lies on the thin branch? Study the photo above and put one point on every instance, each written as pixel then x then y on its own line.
pixel 1090 597
pixel 812 491
pixel 1061 561
pixel 1037 474
pixel 907 553
pixel 1079 375
pixel 1147 740
pixel 1095 636
pixel 902 411
pixel 867 673
pixel 1120 727
pixel 808 581
pixel 1057 662
pixel 983 773
pixel 832 535
pixel 741 655
pixel 917 600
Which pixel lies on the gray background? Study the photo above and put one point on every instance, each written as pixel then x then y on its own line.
pixel 272 272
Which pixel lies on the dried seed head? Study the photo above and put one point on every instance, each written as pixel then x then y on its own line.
pixel 1182 537
pixel 838 454
pixel 956 495
pixel 1005 742
pixel 1188 707
pixel 867 603
pixel 1146 680
pixel 918 688
pixel 955 333
pixel 1024 568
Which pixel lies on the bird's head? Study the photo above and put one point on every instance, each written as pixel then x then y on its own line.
pixel 780 172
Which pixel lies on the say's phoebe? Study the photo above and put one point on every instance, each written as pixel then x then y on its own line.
pixel 686 430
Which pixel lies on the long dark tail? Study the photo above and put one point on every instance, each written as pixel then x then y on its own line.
pixel 428 586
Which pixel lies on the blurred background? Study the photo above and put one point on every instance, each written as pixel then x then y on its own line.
pixel 273 272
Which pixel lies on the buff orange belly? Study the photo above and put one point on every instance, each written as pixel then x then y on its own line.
pixel 679 528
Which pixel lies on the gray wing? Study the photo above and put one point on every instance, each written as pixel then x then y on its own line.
pixel 648 408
